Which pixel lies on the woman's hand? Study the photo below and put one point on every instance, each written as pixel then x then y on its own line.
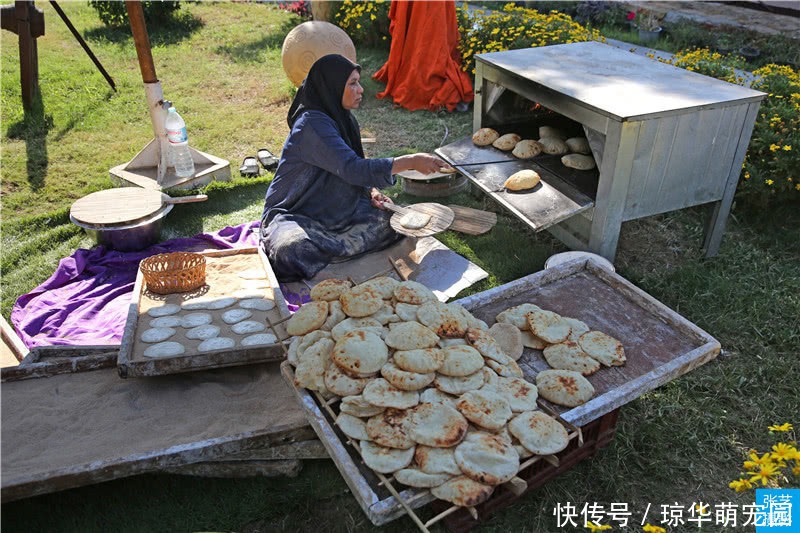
pixel 377 198
pixel 421 162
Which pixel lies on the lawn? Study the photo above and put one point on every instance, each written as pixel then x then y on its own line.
pixel 220 64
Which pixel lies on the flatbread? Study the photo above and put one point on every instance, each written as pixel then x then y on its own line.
pixel 436 460
pixel 360 353
pixel 549 131
pixel 412 292
pixel 164 310
pixel 216 343
pixel 577 328
pixel 358 406
pixel 261 304
pixel 404 380
pixel 329 289
pixel 248 326
pixel 335 316
pixel 433 395
pixel 522 180
pixel 484 137
pixel 548 326
pixel 422 361
pixel 205 332
pixel 414 477
pixel 165 322
pixel 520 394
pixel 487 458
pixel 539 433
pixel 564 387
pixel 406 312
pixel 414 220
pixel 568 355
pixel 553 146
pixel 509 337
pixel 459 385
pixel 527 148
pixel 444 343
pixel 410 336
pixel 446 320
pixel 156 334
pixel 356 324
pixel 385 314
pixel 437 425
pixel 164 349
pixel 385 460
pixel 485 408
pixel 463 491
pixel 391 428
pixel 352 426
pixel 311 367
pixel 487 346
pixel 383 284
pixel 579 145
pixel 516 315
pixel 208 303
pixel 602 347
pixel 380 392
pixel 192 320
pixel 460 361
pixel 309 317
pixel 506 142
pixel 236 315
pixel 529 340
pixel 361 301
pixel 509 370
pixel 341 384
pixel 259 339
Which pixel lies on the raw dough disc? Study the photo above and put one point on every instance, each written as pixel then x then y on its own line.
pixel 192 320
pixel 248 326
pixel 205 332
pixel 216 343
pixel 164 310
pixel 253 274
pixel 164 349
pixel 236 315
pixel 262 304
pixel 414 220
pixel 157 334
pixel 261 338
pixel 208 303
pixel 165 322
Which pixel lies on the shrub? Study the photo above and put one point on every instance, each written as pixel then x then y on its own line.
pixel 114 13
pixel 300 8
pixel 601 14
pixel 367 23
pixel 513 28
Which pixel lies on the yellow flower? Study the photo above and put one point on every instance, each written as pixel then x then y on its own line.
pixel 774 147
pixel 358 26
pixel 787 147
pixel 372 17
pixel 765 473
pixel 769 182
pixel 701 509
pixel 741 485
pixel 756 462
pixel 797 186
pixel 783 452
pixel 654 529
pixel 746 175
pixel 594 527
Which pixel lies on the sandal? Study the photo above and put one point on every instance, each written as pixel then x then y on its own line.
pixel 267 160
pixel 249 168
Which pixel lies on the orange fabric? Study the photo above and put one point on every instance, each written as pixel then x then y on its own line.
pixel 424 66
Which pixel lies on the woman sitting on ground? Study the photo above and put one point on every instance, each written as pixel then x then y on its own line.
pixel 324 203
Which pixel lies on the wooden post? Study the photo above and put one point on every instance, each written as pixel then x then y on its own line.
pixel 28 23
pixel 142 41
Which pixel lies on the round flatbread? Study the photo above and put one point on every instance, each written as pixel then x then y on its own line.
pixel 520 395
pixel 522 180
pixel 248 326
pixel 446 320
pixel 463 491
pixel 578 145
pixel 335 316
pixel 192 320
pixel 577 328
pixel 259 339
pixel 459 385
pixel 406 380
pixel 165 322
pixel 411 292
pixel 260 304
pixel 164 310
pixel 361 301
pixel 385 460
pixel 311 368
pixel 352 426
pixel 549 131
pixel 236 315
pixel 516 315
pixel 422 361
pixel 529 340
pixel 509 337
pixel 410 336
pixel 460 361
pixel 309 317
pixel 385 314
pixel 548 326
pixel 509 370
pixel 487 346
pixel 602 347
pixel 414 219
pixel 434 395
pixel 485 408
pixel 341 384
pixel 414 477
pixel 383 284
pixel 380 392
pixel 539 433
pixel 506 142
pixel 578 161
pixel 391 428
pixel 487 458
pixel 484 136
pixel 437 425
pixel 444 342
pixel 330 289
pixel 406 312
pixel 208 303
pixel 568 355
pixel 526 149
pixel 216 343
pixel 358 406
pixel 164 349
pixel 553 146
pixel 564 387
pixel 436 460
pixel 156 334
pixel 205 332
pixel 356 324
pixel 360 353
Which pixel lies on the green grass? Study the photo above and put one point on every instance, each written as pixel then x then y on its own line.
pixel 220 64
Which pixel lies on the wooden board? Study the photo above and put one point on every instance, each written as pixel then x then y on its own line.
pixel 660 345
pixel 133 364
pixel 87 427
pixel 114 207
pixel 472 221
pixel 441 218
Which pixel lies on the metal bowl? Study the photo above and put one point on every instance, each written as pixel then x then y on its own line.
pixel 129 237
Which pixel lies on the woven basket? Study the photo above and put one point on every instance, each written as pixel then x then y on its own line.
pixel 174 272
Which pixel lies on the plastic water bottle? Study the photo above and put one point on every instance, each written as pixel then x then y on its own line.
pixel 179 155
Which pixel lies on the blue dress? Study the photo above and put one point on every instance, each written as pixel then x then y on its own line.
pixel 317 208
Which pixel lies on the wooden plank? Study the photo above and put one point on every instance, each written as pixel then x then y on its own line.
pixel 14 350
pixel 472 221
pixel 32 367
pixel 641 167
pixel 307 449
pixel 240 469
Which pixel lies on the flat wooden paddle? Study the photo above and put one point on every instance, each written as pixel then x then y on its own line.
pixel 472 221
pixel 124 205
pixel 441 218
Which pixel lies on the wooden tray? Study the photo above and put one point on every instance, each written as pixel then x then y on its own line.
pixel 88 426
pixel 660 345
pixel 132 364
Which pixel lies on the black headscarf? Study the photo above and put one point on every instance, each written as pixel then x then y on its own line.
pixel 322 90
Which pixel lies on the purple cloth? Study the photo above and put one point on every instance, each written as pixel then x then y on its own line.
pixel 85 301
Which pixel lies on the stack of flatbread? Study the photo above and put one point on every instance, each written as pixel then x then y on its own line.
pixel 428 391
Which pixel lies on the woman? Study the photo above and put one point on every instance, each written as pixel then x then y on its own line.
pixel 324 203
